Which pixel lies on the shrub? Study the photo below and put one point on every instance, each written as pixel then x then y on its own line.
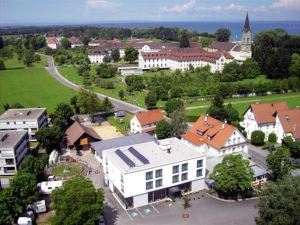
pixel 272 138
pixel 257 138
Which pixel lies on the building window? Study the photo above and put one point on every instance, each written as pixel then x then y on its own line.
pixel 122 188
pixel 122 179
pixel 199 172
pixel 184 176
pixel 200 163
pixel 158 173
pixel 24 122
pixel 158 183
pixel 184 167
pixel 176 169
pixel 229 141
pixel 149 175
pixel 7 123
pixel 175 178
pixel 149 185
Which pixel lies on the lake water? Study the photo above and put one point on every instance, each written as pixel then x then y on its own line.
pixel 292 27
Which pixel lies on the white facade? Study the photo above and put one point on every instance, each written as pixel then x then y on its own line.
pixel 279 131
pixel 135 186
pixel 13 149
pixel 96 58
pixel 76 45
pixel 31 120
pixel 135 126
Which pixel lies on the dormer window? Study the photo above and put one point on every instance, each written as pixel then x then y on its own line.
pixel 199 132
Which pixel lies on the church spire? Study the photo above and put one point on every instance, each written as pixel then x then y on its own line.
pixel 247 24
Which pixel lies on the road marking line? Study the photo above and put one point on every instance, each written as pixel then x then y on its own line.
pixel 139 212
pixel 128 215
pixel 156 210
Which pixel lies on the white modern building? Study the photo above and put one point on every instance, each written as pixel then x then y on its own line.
pixel 145 122
pixel 215 138
pixel 13 149
pixel 29 119
pixel 140 170
pixel 263 117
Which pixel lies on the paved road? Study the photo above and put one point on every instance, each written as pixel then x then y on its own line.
pixel 258 155
pixel 119 105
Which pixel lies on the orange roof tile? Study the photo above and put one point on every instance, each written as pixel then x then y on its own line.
pixel 290 120
pixel 148 117
pixel 210 131
pixel 266 112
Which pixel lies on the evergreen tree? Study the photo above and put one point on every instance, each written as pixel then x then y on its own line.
pixel 184 41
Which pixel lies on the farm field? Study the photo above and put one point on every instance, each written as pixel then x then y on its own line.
pixel 31 86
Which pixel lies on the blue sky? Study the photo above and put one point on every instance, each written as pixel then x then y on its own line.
pixel 88 11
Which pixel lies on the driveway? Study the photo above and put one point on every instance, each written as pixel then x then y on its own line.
pixel 258 155
pixel 119 105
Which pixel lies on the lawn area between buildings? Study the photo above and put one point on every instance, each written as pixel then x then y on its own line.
pixel 31 86
pixel 66 170
pixel 122 125
pixel 241 104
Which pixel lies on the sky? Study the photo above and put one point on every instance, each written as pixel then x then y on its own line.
pixel 28 12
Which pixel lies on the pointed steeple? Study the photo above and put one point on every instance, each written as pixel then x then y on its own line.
pixel 247 24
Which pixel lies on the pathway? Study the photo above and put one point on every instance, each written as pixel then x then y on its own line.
pixel 119 105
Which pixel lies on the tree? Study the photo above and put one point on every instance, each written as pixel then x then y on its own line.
pixel 231 113
pixel 28 58
pixel 294 68
pixel 134 83
pixel 115 55
pixel 1 43
pixel 106 70
pixel 176 92
pixel 279 162
pixel 178 122
pixel 7 209
pixel 257 138
pixel 293 146
pixel 163 130
pixel 24 188
pixel 106 105
pixel 151 100
pixel 73 102
pixel 2 65
pixel 34 165
pixel 61 117
pixel 184 41
pixel 217 109
pixel 279 202
pixel 131 54
pixel 186 202
pixel 272 138
pixel 78 202
pixel 232 176
pixel 50 138
pixel 173 104
pixel 83 68
pixel 223 34
pixel 88 102
pixel 250 69
pixel 85 40
pixel 121 94
pixel 107 59
pixel 65 43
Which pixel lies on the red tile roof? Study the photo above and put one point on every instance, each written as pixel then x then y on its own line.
pixel 208 130
pixel 149 117
pixel 222 46
pixel 76 130
pixel 75 41
pixel 266 112
pixel 52 40
pixel 290 121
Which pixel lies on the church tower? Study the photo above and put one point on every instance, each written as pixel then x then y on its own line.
pixel 246 39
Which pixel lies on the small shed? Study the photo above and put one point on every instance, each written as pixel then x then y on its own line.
pixel 80 137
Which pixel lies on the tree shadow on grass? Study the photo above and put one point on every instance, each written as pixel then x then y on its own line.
pixel 15 68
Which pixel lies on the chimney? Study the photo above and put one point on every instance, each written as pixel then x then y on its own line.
pixel 287 118
pixel 224 123
pixel 206 117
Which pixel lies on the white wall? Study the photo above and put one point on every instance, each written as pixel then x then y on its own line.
pixel 135 126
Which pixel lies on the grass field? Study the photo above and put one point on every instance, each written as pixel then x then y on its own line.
pixel 31 86
pixel 241 104
pixel 121 124
pixel 65 170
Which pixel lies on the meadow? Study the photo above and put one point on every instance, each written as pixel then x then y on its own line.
pixel 31 86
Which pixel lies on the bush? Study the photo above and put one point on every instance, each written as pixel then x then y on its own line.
pixel 106 70
pixel 257 138
pixel 272 138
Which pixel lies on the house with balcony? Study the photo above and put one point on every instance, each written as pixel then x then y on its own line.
pixel 13 149
pixel 145 122
pixel 29 119
pixel 140 170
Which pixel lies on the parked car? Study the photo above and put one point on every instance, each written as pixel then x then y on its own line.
pixel 271 149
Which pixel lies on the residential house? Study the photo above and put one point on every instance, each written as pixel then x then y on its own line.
pixel 13 149
pixel 140 170
pixel 29 119
pixel 80 137
pixel 53 42
pixel 145 122
pixel 263 117
pixel 215 137
pixel 75 42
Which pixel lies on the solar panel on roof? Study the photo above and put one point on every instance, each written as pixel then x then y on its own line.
pixel 125 158
pixel 138 155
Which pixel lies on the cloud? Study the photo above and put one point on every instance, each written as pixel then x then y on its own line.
pixel 287 4
pixel 101 3
pixel 180 8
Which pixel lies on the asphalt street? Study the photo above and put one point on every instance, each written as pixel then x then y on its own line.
pixel 119 105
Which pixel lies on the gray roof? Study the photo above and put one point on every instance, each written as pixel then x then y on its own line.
pixel 9 138
pixel 120 142
pixel 258 171
pixel 22 114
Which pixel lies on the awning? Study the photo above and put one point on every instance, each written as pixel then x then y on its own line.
pixel 174 190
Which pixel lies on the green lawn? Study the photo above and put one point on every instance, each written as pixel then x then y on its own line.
pixel 65 170
pixel 121 124
pixel 292 99
pixel 31 87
